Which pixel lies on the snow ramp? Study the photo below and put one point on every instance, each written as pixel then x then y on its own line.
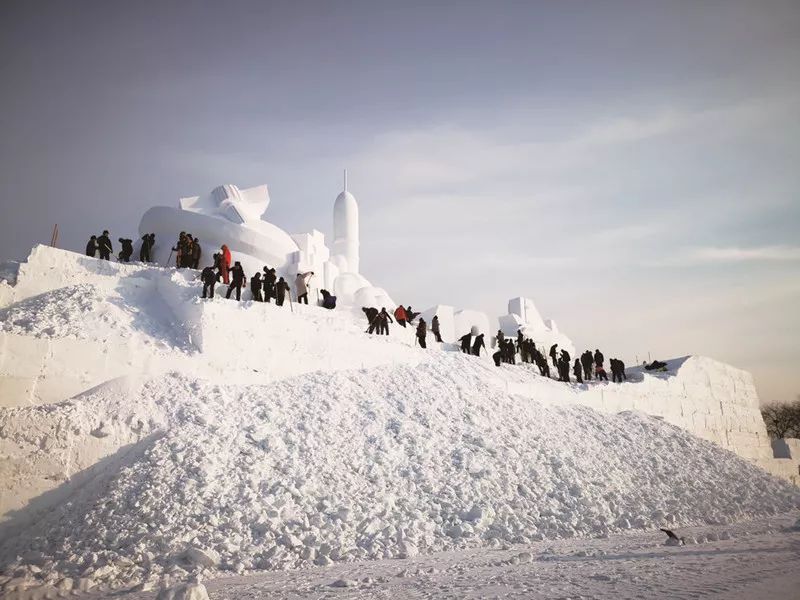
pixel 389 461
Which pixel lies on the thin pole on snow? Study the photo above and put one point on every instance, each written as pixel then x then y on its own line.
pixel 54 237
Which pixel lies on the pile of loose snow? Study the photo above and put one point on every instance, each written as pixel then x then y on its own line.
pixel 92 311
pixel 386 462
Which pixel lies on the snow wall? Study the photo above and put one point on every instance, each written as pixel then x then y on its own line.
pixel 71 323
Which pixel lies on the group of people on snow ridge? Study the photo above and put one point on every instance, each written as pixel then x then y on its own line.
pixel 379 322
pixel 472 343
pixel 188 253
pixel 264 288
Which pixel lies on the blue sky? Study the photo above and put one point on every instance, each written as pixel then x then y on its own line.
pixel 632 166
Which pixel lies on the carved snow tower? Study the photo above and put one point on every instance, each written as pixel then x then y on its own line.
pixel 345 231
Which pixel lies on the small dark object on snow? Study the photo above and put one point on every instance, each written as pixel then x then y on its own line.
pixel 672 538
pixel 656 365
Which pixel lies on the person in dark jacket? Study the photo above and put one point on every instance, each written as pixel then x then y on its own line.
pixel 511 354
pixel 255 287
pixel 588 362
pixel 478 344
pixel 598 358
pixel 148 241
pixel 383 322
pixel 209 277
pixel 497 357
pixel 422 332
pixel 500 338
pixel 553 356
pixel 617 370
pixel 410 314
pixel 269 280
pixel 127 250
pixel 328 301
pixel 197 252
pixel 563 368
pixel 238 279
pixel 435 328
pixel 104 246
pixel 281 288
pixel 372 317
pixel 541 362
pixel 91 246
pixel 466 341
pixel 577 370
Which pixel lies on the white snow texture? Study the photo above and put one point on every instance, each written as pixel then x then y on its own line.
pixel 226 436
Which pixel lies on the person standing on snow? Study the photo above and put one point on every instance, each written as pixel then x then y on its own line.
pixel 553 355
pixel 281 288
pixel 255 287
pixel 237 281
pixel 197 252
pixel 465 343
pixel 598 358
pixel 209 277
pixel 104 246
pixel 383 322
pixel 410 315
pixel 148 240
pixel 269 283
pixel 226 263
pixel 587 361
pixel 422 332
pixel 91 246
pixel 478 344
pixel 400 315
pixel 301 285
pixel 577 371
pixel 435 328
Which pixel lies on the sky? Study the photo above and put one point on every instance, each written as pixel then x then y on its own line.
pixel 631 166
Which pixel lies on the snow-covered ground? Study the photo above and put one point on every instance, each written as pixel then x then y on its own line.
pixel 213 437
pixel 749 561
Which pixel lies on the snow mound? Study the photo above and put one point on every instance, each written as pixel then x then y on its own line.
pixel 375 463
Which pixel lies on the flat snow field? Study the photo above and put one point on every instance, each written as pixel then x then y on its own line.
pixel 753 560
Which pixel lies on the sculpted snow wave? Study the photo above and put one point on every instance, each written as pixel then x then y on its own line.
pixel 385 462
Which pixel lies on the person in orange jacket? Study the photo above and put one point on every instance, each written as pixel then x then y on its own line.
pixel 400 315
pixel 226 264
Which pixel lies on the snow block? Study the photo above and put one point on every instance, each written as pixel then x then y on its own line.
pixel 446 316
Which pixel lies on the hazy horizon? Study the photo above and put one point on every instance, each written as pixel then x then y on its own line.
pixel 630 166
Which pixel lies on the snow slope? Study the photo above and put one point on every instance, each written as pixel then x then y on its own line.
pixel 145 432
pixel 377 463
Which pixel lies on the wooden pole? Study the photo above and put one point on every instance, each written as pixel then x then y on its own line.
pixel 54 237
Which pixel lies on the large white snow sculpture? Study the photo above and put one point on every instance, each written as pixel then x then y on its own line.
pixel 235 217
pixel 227 215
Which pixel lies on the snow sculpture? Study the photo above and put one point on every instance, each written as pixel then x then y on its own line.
pixel 227 215
pixel 522 314
pixel 446 316
pixel 236 217
pixel 345 231
pixel 466 320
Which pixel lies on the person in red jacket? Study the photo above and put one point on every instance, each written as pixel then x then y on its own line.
pixel 226 263
pixel 400 315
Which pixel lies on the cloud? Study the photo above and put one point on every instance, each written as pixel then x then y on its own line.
pixel 710 255
pixel 735 254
